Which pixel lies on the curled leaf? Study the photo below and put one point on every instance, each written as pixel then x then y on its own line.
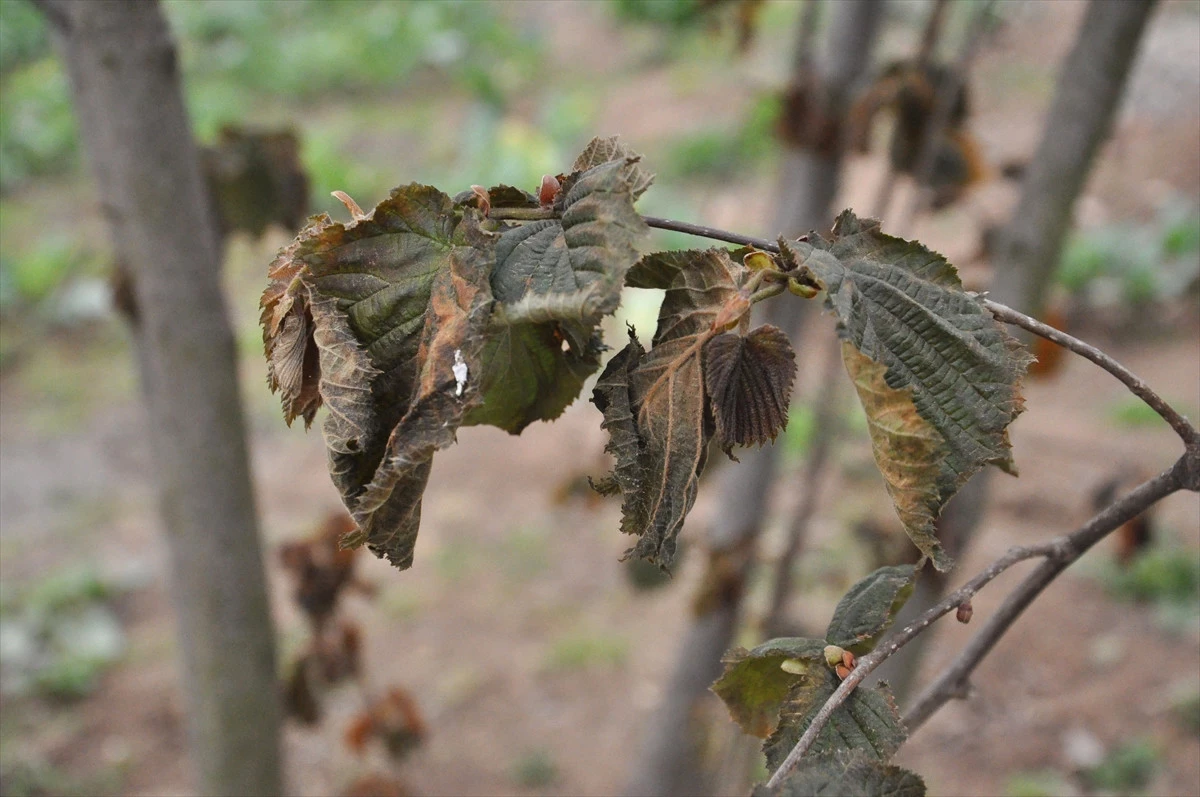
pixel 937 375
pixel 666 391
pixel 749 382
pixel 554 280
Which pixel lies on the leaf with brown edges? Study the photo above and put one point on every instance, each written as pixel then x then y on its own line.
pixel 749 382
pixel 938 376
pixel 666 392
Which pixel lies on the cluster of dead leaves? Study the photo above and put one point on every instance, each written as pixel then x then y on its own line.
pixel 910 90
pixel 430 313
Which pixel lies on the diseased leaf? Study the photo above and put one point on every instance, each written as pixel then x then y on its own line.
pixel 703 298
pixel 867 721
pixel 749 382
pixel 755 684
pixel 359 317
pixel 554 280
pixel 413 319
pixel 612 397
pixel 603 150
pixel 388 509
pixel 938 376
pixel 846 774
pixel 867 610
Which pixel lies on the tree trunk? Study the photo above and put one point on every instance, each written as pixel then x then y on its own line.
pixel 669 763
pixel 124 77
pixel 1085 103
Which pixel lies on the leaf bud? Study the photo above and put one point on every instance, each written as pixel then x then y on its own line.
pixel 757 261
pixel 833 655
pixel 802 290
pixel 794 666
pixel 848 659
pixel 965 610
pixel 842 671
pixel 549 190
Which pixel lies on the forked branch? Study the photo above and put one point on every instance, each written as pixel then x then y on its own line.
pixel 1058 554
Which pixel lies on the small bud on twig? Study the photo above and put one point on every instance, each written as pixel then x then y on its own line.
pixel 965 610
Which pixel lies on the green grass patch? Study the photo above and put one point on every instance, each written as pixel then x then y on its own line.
pixel 577 650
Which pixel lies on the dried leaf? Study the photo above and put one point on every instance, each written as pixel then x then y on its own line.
pixel 749 382
pixel 254 179
pixel 867 721
pixel 846 774
pixel 388 510
pixel 320 567
pixel 868 608
pixel 612 397
pixel 755 684
pixel 604 150
pixel 937 375
pixel 666 393
pixel 389 321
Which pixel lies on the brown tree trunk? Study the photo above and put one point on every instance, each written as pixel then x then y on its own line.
pixel 669 763
pixel 124 77
pixel 1086 99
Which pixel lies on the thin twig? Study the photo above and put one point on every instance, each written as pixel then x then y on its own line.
pixel 1181 425
pixel 711 232
pixel 955 680
pixel 1058 552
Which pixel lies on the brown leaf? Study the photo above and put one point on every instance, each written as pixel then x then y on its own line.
pixel 388 509
pixel 665 394
pixel 376 785
pixel 320 567
pixel 749 382
pixel 394 719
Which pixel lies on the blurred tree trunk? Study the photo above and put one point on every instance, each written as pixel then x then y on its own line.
pixel 124 77
pixel 1086 99
pixel 670 763
pixel 1081 115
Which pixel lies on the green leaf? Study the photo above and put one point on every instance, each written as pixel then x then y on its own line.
pixel 867 610
pixel 749 381
pixel 867 721
pixel 846 774
pixel 755 685
pixel 666 390
pixel 554 281
pixel 938 377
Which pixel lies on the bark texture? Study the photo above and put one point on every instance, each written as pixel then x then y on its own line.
pixel 125 81
pixel 670 761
